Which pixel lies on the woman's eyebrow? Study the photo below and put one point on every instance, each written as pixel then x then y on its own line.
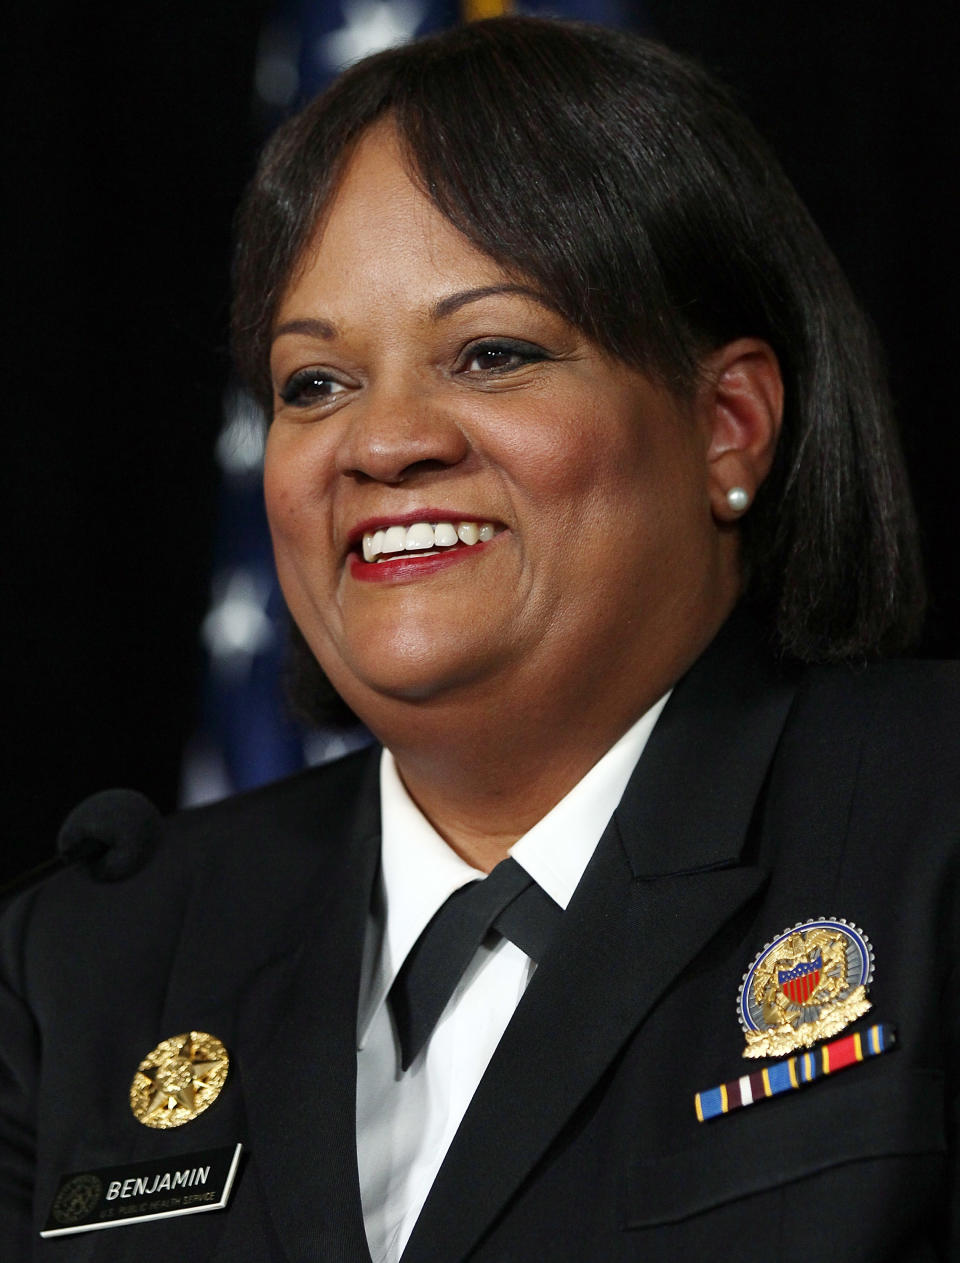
pixel 446 306
pixel 314 328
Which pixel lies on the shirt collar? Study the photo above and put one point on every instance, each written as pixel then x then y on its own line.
pixel 419 871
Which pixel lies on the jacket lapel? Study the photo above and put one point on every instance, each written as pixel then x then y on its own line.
pixel 301 1093
pixel 666 876
pixel 294 1030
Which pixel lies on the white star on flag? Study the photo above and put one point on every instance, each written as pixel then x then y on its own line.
pixel 370 26
pixel 238 627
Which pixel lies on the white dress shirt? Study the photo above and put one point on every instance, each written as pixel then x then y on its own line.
pixel 406 1121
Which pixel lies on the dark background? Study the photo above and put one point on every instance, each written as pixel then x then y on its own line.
pixel 130 132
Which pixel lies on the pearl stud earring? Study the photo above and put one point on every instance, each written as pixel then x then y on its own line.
pixel 738 499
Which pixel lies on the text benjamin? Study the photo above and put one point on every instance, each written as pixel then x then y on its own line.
pixel 143 1186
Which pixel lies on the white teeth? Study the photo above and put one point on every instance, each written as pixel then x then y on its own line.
pixel 444 536
pixel 419 536
pixel 394 539
pixel 422 536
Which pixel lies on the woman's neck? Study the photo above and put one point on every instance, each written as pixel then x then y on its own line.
pixel 485 763
pixel 483 784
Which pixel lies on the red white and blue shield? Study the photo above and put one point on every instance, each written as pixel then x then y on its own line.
pixel 799 983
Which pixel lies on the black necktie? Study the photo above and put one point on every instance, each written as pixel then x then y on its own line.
pixel 508 901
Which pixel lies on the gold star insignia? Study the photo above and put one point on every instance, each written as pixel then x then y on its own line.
pixel 181 1078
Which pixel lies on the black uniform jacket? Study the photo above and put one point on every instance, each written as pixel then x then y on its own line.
pixel 764 798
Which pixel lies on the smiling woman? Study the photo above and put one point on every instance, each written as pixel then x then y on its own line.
pixel 585 497
pixel 416 389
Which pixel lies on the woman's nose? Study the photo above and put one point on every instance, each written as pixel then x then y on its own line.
pixel 393 435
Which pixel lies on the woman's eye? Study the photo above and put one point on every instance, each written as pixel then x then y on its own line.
pixel 309 386
pixel 502 356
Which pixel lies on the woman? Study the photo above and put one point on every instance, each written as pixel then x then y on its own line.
pixel 585 499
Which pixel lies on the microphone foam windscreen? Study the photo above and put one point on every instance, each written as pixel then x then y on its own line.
pixel 114 832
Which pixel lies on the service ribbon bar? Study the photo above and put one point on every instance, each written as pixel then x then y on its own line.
pixel 794 1072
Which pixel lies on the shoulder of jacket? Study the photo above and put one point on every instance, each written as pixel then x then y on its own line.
pixel 905 685
pixel 319 791
pixel 245 847
pixel 903 715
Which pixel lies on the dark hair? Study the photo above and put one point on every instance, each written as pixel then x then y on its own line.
pixel 627 185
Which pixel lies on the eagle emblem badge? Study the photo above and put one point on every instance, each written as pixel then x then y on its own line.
pixel 805 985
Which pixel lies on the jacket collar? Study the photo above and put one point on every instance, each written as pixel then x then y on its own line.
pixel 691 798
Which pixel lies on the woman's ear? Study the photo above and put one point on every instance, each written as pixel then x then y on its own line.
pixel 741 404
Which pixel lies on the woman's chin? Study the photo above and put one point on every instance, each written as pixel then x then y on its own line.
pixel 431 674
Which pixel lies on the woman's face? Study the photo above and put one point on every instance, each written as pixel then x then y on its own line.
pixel 418 386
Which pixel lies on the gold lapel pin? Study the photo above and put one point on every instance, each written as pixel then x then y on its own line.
pixel 181 1078
pixel 806 985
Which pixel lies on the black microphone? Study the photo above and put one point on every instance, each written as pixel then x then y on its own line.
pixel 113 833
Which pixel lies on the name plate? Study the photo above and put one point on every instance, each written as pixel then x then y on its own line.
pixel 114 1196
